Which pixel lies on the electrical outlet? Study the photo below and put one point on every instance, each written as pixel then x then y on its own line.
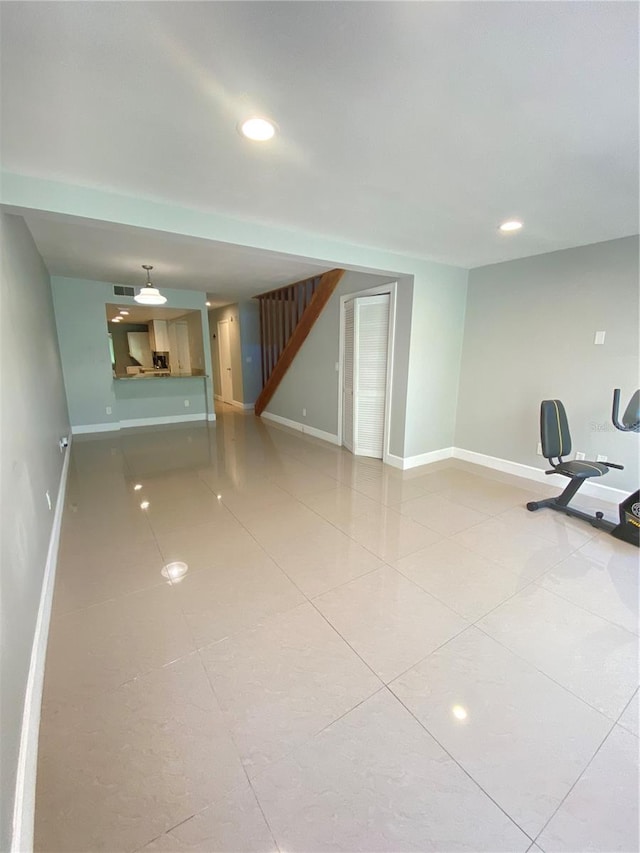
pixel 108 410
pixel 539 449
pixel 599 337
pixel 48 497
pixel 601 458
pixel 580 454
pixel 304 413
pixel 187 404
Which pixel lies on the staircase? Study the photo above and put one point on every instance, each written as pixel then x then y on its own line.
pixel 287 316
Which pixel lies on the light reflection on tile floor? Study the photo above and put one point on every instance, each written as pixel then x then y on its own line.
pixel 358 659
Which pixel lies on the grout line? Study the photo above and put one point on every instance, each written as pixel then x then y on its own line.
pixel 311 738
pixel 262 811
pixel 581 699
pixel 582 607
pixel 304 461
pixel 579 777
pixel 432 652
pixel 469 619
pixel 622 725
pixel 237 749
pixel 455 760
pixel 335 630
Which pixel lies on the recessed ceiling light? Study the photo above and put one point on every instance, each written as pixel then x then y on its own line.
pixel 258 129
pixel 208 304
pixel 116 319
pixel 511 225
pixel 123 312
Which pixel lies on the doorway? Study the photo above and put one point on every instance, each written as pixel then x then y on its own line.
pixel 367 321
pixel 224 352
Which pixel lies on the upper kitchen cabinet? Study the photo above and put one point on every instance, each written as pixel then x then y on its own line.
pixel 159 336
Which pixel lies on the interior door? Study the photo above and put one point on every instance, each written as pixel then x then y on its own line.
pixel 369 370
pixel 182 347
pixel 224 351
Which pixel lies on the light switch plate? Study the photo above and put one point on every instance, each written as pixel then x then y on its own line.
pixel 599 338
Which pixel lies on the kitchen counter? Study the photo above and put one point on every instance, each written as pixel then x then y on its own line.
pixel 160 374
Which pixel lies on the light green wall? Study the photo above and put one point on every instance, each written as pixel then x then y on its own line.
pixel 250 351
pixel 33 418
pixel 433 420
pixel 159 397
pixel 529 336
pixel 82 331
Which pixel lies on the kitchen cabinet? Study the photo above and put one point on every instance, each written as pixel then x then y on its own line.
pixel 159 336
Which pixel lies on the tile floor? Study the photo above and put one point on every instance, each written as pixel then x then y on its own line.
pixel 357 659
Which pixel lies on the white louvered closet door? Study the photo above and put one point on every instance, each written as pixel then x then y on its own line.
pixel 347 388
pixel 370 343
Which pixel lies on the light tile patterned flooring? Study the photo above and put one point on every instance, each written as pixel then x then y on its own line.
pixel 358 659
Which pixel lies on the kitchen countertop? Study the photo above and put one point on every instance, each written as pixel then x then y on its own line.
pixel 138 377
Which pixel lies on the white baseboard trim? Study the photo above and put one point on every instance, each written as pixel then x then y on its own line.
pixel 594 490
pixel 114 426
pixel 163 419
pixel 304 428
pixel 320 433
pixel 25 797
pixel 245 406
pixel 394 461
pixel 406 462
pixel 140 422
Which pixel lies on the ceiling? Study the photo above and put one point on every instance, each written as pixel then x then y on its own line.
pixel 102 251
pixel 144 313
pixel 415 127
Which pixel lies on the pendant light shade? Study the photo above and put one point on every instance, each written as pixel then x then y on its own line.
pixel 149 295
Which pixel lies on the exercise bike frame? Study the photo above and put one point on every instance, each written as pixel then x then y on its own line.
pixel 627 528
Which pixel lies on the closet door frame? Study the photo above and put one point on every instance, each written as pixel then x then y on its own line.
pixel 391 289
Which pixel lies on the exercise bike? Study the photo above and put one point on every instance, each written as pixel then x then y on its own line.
pixel 556 443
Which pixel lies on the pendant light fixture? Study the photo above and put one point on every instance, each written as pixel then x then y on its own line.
pixel 149 295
